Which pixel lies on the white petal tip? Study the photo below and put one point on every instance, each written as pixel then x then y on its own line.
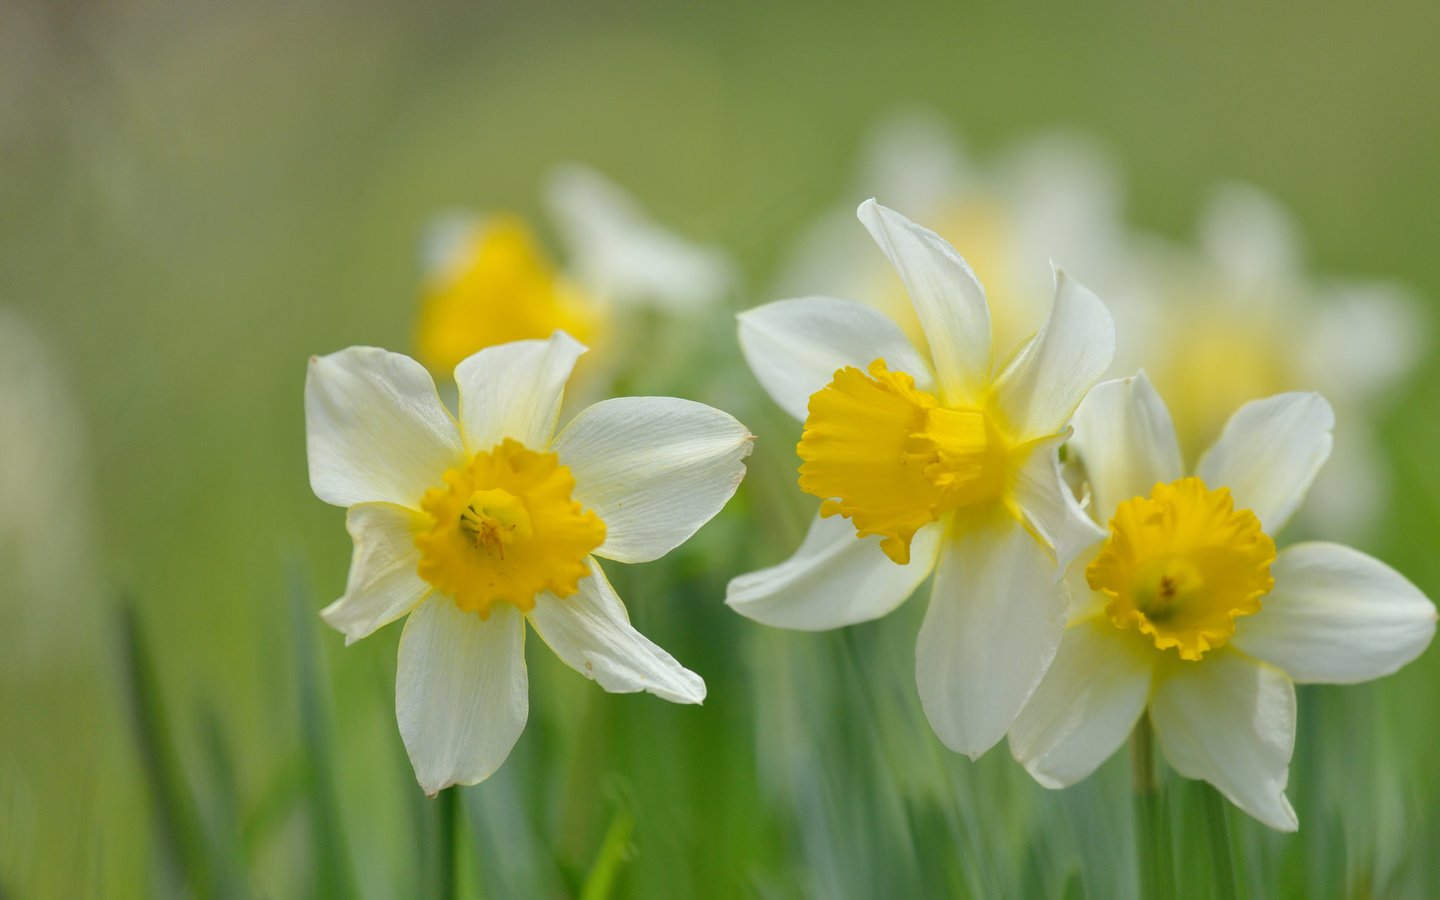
pixel 1287 821
pixel 1042 778
pixel 560 335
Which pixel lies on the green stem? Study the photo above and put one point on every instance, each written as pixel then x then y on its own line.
pixel 1217 827
pixel 447 882
pixel 1152 831
pixel 614 853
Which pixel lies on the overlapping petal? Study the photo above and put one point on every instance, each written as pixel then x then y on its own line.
pixel 1231 721
pixel 461 691
pixel 591 631
pixel 1089 700
pixel 514 391
pixel 654 469
pixel 948 299
pixel 995 619
pixel 1269 453
pixel 1040 389
pixel 1125 441
pixel 383 584
pixel 1337 616
pixel 375 430
pixel 834 579
pixel 1048 505
pixel 795 346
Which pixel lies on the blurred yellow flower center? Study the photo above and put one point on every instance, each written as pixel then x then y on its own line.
pixel 891 459
pixel 504 528
pixel 499 288
pixel 1210 368
pixel 1181 565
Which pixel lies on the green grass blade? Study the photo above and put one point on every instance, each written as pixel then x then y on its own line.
pixel 177 819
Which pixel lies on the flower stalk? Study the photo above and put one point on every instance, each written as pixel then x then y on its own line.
pixel 1153 853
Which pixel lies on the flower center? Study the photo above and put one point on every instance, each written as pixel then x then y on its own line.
pixel 499 288
pixel 494 519
pixel 891 459
pixel 504 529
pixel 1181 565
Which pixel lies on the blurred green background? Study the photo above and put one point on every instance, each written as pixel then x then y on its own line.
pixel 194 198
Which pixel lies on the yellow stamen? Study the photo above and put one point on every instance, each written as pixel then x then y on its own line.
pixel 501 289
pixel 1181 565
pixel 504 528
pixel 887 456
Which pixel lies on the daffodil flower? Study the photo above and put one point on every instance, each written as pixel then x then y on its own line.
pixel 489 281
pixel 472 527
pixel 943 461
pixel 1239 316
pixel 1186 609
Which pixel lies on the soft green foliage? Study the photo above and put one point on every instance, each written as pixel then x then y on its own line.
pixel 195 199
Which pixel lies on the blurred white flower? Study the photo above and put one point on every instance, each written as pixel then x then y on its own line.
pixel 48 584
pixel 1240 318
pixel 472 527
pixel 1233 318
pixel 941 461
pixel 1054 197
pixel 1187 611
pixel 619 253
pixel 489 281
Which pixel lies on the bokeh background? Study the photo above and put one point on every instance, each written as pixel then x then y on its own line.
pixel 194 198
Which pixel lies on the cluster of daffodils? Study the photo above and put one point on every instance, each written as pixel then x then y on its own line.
pixel 1227 318
pixel 1082 581
pixel 1061 614
pixel 472 526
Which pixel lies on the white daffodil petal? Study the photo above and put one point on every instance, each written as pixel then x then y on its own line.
pixel 1230 720
pixel 794 347
pixel 375 430
pixel 1251 237
pixel 947 296
pixel 1051 508
pixel 1084 602
pixel 996 616
pixel 1041 388
pixel 654 469
pixel 834 579
pixel 590 630
pixel 461 691
pixel 1269 453
pixel 383 584
pixel 1087 703
pixel 1363 338
pixel 1126 442
pixel 514 391
pixel 619 252
pixel 1337 616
